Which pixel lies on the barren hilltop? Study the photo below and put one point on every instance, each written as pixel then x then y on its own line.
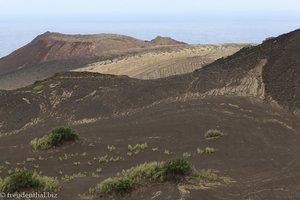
pixel 235 120
pixel 159 40
pixel 55 46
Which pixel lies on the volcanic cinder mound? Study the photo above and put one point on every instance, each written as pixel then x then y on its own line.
pixel 55 46
pixel 52 53
pixel 251 96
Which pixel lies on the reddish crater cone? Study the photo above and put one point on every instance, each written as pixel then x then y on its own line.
pixel 55 46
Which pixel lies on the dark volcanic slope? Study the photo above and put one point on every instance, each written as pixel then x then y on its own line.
pixel 257 157
pixel 258 154
pixel 269 71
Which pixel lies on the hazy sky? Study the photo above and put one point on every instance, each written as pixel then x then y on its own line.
pixel 167 7
pixel 193 21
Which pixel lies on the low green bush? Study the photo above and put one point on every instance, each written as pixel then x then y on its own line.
pixel 213 133
pixel 57 137
pixel 151 171
pixel 123 186
pixel 177 170
pixel 111 186
pixel 23 180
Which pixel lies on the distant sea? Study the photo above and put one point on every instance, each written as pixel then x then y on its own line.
pixel 16 33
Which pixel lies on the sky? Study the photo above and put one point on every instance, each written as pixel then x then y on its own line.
pixel 192 21
pixel 15 8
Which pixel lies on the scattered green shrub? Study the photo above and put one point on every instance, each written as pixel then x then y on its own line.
pixel 186 155
pixel 41 158
pixel 73 176
pixel 111 147
pixel 210 150
pixel 213 133
pixel 95 175
pixel 199 151
pixel 167 152
pixel 57 137
pixel 38 88
pixel 23 179
pixel 136 149
pixel 30 159
pixel 208 174
pixel 106 159
pixel 103 159
pixel 69 156
pixel 76 163
pixel 99 170
pixel 155 149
